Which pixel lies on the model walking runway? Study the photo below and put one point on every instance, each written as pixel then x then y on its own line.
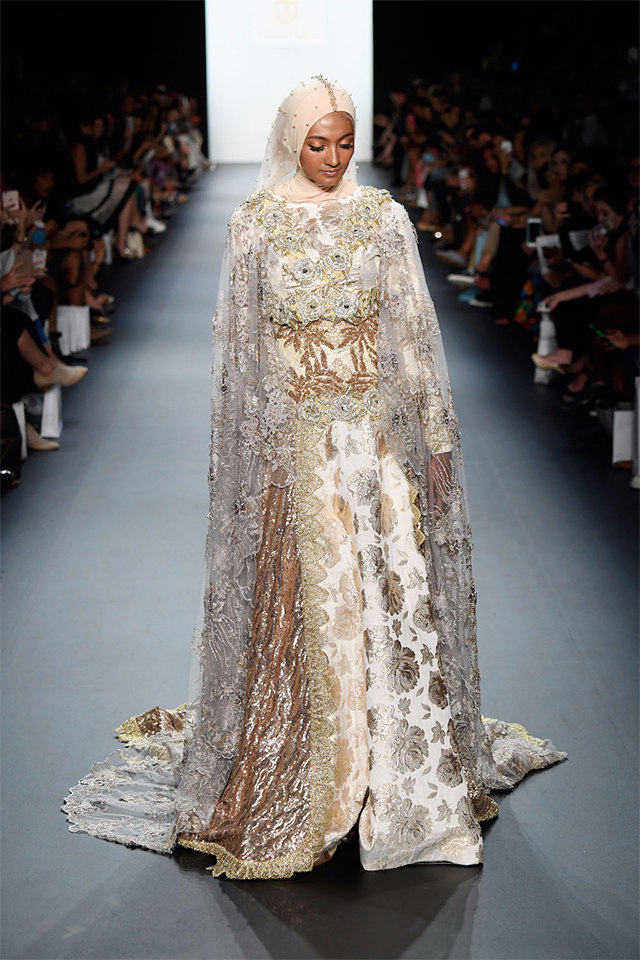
pixel 98 627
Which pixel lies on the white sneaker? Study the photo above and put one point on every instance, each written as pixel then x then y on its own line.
pixel 460 279
pixel 155 225
pixel 36 442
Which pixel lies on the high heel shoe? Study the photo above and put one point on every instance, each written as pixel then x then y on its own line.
pixel 543 364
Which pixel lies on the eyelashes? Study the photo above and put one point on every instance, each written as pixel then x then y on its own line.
pixel 345 146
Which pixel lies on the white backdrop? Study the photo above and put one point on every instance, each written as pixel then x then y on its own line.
pixel 258 50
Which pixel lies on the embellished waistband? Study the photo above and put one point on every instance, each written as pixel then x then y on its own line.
pixel 322 409
pixel 303 308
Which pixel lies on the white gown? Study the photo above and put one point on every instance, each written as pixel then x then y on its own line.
pixel 342 570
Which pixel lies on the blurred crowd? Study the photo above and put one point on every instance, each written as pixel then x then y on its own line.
pixel 531 198
pixel 86 182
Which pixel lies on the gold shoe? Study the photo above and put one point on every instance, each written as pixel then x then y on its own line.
pixel 325 856
pixel 63 374
pixel 543 364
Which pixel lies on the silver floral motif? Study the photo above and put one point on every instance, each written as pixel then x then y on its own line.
pixel 363 484
pixel 449 770
pixel 392 592
pixel 304 270
pixel 338 259
pixel 409 748
pixel 311 307
pixel 371 561
pixel 410 825
pixel 423 614
pixel 345 407
pixel 437 690
pixel 344 306
pixel 402 668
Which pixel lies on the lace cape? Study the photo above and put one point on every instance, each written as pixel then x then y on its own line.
pixel 252 443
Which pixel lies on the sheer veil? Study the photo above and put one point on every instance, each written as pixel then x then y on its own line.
pixel 310 99
pixel 252 448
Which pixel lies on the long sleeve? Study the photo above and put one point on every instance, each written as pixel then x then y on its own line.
pixel 414 317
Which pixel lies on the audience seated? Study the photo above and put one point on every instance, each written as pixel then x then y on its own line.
pixel 533 199
pixel 83 184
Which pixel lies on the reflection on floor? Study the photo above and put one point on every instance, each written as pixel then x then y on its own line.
pixel 102 560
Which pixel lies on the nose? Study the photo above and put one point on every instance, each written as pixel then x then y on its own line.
pixel 332 158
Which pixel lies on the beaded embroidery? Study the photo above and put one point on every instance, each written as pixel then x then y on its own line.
pixel 318 284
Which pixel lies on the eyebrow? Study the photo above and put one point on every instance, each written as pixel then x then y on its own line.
pixel 326 140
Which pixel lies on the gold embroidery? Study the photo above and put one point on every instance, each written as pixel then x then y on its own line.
pixel 264 811
pixel 323 748
pixel 327 358
pixel 153 721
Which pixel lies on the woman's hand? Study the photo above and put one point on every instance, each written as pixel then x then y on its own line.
pixel 107 164
pixel 34 213
pixel 552 301
pixel 618 339
pixel 597 241
pixel 18 276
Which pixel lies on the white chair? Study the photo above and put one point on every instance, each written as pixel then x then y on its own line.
pixel 74 324
pixel 51 426
pixel 622 446
pixel 18 409
pixel 547 343
pixel 108 247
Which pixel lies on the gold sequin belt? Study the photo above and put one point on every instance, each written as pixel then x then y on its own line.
pixel 303 308
pixel 322 409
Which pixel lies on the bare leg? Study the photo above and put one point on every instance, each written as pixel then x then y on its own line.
pixel 124 221
pixel 33 355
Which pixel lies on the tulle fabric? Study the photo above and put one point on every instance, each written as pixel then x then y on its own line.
pixel 369 248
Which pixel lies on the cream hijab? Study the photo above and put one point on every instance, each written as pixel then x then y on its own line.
pixel 281 170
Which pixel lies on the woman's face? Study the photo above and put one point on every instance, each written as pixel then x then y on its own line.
pixel 491 161
pixel 43 183
pixel 605 212
pixel 560 165
pixel 539 155
pixel 328 148
pixel 451 117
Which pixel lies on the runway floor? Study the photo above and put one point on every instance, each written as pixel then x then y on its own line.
pixel 103 546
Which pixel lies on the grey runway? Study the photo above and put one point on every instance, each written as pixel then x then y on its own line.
pixel 103 547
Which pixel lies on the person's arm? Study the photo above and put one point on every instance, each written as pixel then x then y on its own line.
pixel 618 268
pixel 606 284
pixel 621 265
pixel 79 156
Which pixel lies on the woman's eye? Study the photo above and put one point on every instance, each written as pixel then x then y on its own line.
pixel 347 146
pixel 315 149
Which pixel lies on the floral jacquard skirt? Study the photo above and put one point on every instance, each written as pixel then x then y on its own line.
pixel 347 719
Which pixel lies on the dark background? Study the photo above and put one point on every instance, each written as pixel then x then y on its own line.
pixel 141 41
pixel 162 41
pixel 429 38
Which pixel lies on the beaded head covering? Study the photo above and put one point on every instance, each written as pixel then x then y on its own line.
pixel 297 113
